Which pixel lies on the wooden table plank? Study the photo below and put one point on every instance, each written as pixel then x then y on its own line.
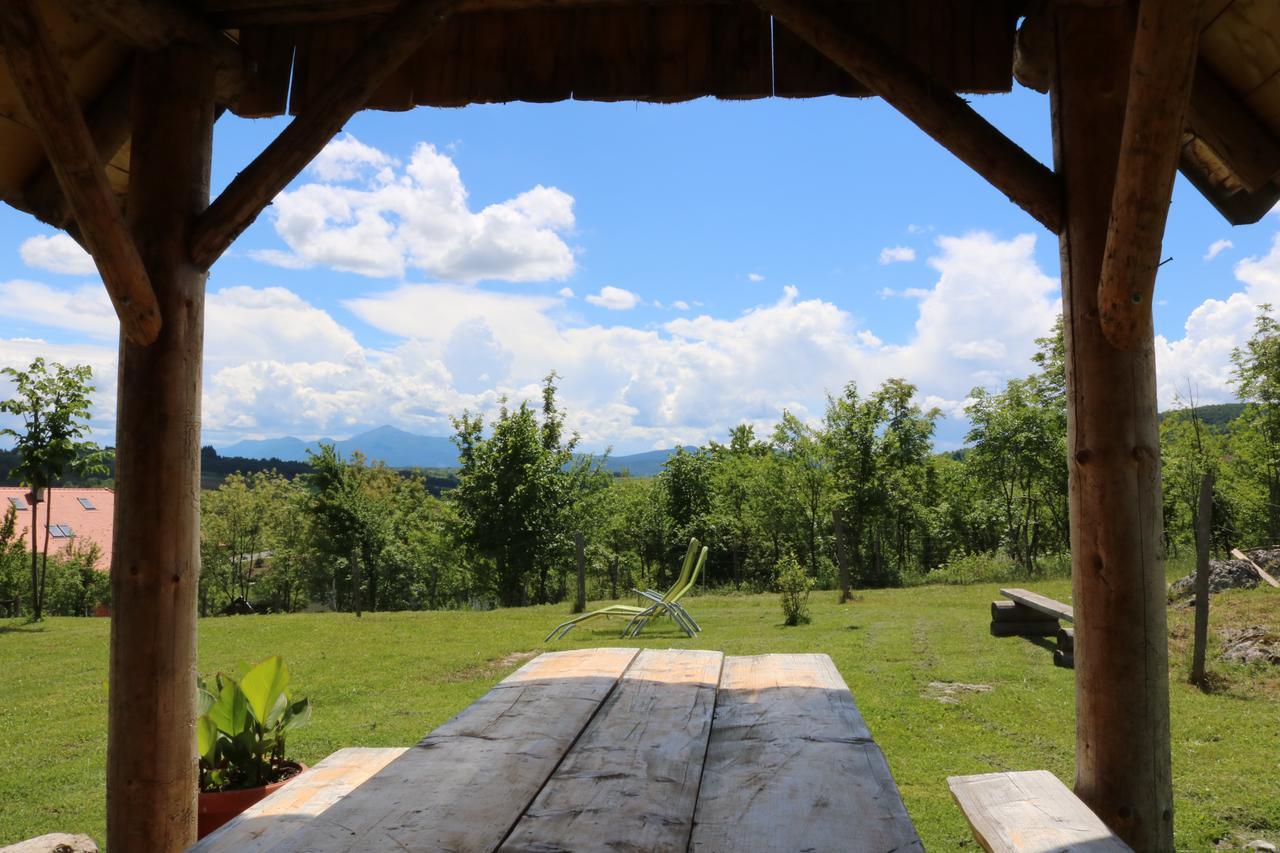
pixel 791 765
pixel 631 780
pixel 1030 812
pixel 1044 604
pixel 467 783
pixel 270 821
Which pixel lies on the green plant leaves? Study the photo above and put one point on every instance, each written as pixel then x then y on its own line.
pixel 264 685
pixel 231 710
pixel 206 739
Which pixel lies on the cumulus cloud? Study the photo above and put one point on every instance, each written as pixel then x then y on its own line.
pixel 897 255
pixel 566 292
pixel 614 298
pixel 85 309
pixel 56 253
pixel 680 305
pixel 755 277
pixel 367 215
pixel 1216 248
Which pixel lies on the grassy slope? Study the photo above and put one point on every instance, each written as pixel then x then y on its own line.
pixel 387 679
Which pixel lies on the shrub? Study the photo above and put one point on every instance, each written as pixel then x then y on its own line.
pixel 794 585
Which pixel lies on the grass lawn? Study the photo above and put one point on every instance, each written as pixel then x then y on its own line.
pixel 388 679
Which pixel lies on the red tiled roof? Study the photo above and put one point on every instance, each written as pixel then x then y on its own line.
pixel 87 525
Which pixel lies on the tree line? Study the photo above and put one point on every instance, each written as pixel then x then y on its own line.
pixel 856 498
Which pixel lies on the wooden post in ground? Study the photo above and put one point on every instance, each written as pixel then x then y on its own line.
pixel 842 556
pixel 151 769
pixel 1204 527
pixel 580 599
pixel 1121 638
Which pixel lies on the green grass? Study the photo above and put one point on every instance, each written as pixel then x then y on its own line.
pixel 387 679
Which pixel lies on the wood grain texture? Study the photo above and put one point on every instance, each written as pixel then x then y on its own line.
pixel 269 822
pixel 631 781
pixel 1030 812
pixel 155 565
pixel 80 171
pixel 1123 763
pixel 1040 603
pixel 791 765
pixel 468 782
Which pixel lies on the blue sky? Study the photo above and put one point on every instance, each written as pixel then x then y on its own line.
pixel 684 267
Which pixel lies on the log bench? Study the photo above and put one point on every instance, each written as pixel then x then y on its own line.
pixel 1030 812
pixel 607 749
pixel 1029 614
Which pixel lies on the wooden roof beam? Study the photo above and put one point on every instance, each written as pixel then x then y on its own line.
pixel 1229 127
pixel 1160 73
pixel 934 108
pixel 384 51
pixel 48 97
pixel 153 24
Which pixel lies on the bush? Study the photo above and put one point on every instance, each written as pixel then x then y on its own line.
pixel 794 585
pixel 991 567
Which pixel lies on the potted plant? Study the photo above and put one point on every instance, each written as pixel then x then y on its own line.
pixel 240 737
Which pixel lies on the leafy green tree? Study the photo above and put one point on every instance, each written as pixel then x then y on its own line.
pixel 1257 436
pixel 806 480
pixel 52 402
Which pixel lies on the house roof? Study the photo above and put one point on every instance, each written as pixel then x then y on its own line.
pixel 646 50
pixel 91 523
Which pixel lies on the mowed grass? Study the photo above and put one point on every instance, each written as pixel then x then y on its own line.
pixel 388 679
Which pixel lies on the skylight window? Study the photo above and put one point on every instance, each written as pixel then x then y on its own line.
pixel 18 503
pixel 87 503
pixel 61 531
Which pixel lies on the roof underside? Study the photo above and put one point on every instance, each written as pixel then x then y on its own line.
pixel 495 51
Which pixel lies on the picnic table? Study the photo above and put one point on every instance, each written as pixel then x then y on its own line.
pixel 610 749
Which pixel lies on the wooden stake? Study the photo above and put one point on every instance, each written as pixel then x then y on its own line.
pixel 1121 637
pixel 580 600
pixel 934 108
pixel 1204 527
pixel 1160 73
pixel 1240 555
pixel 151 768
pixel 389 47
pixel 47 94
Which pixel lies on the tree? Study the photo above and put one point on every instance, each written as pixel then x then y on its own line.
pixel 1257 379
pixel 806 479
pixel 52 401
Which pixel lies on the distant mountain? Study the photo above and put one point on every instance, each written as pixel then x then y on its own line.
pixel 647 464
pixel 395 447
pixel 1217 415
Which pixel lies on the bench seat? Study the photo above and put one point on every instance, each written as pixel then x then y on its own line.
pixel 1030 812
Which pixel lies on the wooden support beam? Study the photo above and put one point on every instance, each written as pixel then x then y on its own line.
pixel 151 770
pixel 384 51
pixel 1219 118
pixel 47 94
pixel 1121 637
pixel 243 13
pixel 935 109
pixel 109 127
pixel 1160 74
pixel 154 24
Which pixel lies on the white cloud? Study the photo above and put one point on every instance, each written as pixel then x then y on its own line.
pixel 897 255
pixel 86 309
pixel 614 298
pixel 1216 248
pixel 755 277
pixel 56 253
pixel 418 217
pixel 566 292
pixel 680 305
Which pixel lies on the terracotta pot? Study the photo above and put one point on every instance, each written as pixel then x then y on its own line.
pixel 218 807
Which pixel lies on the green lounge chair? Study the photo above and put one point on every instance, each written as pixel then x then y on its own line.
pixel 669 605
pixel 631 612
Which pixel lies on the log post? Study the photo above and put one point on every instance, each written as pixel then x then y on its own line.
pixel 1204 529
pixel 1121 638
pixel 580 599
pixel 151 767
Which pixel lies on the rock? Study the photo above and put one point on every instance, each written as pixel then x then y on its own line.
pixel 1223 574
pixel 1247 645
pixel 1261 845
pixel 54 842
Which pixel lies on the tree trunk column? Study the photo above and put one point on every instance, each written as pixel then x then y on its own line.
pixel 151 764
pixel 1121 640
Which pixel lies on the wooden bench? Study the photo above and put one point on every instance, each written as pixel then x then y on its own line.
pixel 602 749
pixel 1029 614
pixel 1030 812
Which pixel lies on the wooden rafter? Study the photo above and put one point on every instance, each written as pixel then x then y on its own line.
pixel 934 108
pixel 238 13
pixel 1221 119
pixel 70 148
pixel 384 51
pixel 1160 75
pixel 153 24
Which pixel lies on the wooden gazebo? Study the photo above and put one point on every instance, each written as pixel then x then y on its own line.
pixel 107 109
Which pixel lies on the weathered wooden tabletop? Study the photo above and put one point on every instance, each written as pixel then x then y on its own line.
pixel 611 749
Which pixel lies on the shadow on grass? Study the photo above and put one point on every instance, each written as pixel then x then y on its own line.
pixel 24 628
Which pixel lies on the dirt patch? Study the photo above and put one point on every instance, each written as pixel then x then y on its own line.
pixel 950 692
pixel 1247 645
pixel 489 668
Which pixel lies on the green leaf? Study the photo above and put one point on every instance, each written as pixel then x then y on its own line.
pixel 299 714
pixel 263 685
pixel 282 705
pixel 206 739
pixel 230 713
pixel 204 700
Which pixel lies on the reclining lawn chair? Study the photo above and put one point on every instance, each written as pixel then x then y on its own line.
pixel 669 605
pixel 632 613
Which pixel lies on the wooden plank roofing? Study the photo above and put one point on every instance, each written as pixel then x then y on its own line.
pixel 495 51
